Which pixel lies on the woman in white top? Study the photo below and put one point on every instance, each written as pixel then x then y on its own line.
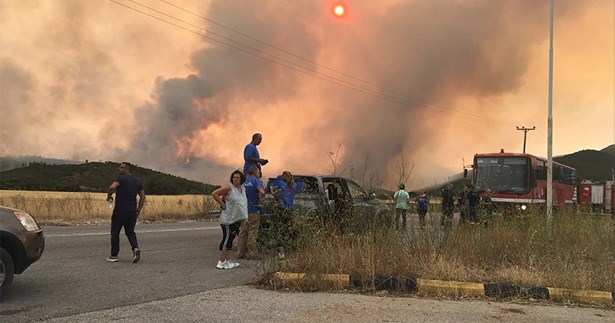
pixel 233 210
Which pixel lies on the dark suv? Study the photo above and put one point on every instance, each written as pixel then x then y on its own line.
pixel 21 244
pixel 327 194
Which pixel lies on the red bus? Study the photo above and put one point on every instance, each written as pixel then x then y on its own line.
pixel 520 180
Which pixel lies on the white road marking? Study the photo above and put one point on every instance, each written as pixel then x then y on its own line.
pixel 59 235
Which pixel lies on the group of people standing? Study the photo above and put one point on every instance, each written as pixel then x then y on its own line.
pixel 468 204
pixel 402 199
pixel 240 206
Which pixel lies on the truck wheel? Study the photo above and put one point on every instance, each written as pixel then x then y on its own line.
pixel 7 270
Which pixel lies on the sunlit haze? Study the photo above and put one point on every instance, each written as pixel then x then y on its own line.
pixel 432 81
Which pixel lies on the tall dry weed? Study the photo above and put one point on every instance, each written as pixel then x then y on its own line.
pixel 578 253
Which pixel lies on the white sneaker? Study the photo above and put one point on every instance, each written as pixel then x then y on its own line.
pixel 231 264
pixel 222 265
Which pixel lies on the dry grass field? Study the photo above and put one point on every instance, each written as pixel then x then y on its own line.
pixel 91 208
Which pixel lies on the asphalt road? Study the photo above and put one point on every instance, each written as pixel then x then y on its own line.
pixel 73 277
pixel 176 281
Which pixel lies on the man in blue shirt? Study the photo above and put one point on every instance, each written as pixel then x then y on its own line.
pixel 249 232
pixel 126 188
pixel 251 155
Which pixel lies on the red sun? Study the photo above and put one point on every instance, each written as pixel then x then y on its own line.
pixel 339 9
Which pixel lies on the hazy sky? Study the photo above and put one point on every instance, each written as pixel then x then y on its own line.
pixel 438 80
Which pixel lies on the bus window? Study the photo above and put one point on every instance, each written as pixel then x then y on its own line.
pixel 541 170
pixel 502 174
pixel 569 175
pixel 557 173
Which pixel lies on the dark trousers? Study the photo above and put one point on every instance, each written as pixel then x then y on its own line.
pixel 404 215
pixel 229 232
pixel 473 216
pixel 447 215
pixel 422 213
pixel 128 220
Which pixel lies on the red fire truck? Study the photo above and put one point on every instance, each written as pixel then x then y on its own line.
pixel 597 197
pixel 519 181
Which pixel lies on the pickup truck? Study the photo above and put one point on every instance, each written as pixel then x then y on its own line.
pixel 327 195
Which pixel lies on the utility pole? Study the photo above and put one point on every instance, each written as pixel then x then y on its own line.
pixel 525 130
pixel 550 132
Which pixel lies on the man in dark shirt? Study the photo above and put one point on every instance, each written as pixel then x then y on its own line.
pixel 126 188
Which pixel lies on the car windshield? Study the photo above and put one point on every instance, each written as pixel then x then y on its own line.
pixel 356 191
pixel 502 174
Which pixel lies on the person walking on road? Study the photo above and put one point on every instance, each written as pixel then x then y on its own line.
pixel 233 211
pixel 126 211
pixel 401 205
pixel 251 156
pixel 249 231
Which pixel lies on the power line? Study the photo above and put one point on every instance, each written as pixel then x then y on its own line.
pixel 300 68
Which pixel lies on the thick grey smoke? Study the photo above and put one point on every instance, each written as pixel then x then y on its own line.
pixel 433 52
pixel 224 75
pixel 428 52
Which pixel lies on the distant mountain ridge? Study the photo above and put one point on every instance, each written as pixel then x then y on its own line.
pixel 609 150
pixel 593 165
pixel 12 162
pixel 94 177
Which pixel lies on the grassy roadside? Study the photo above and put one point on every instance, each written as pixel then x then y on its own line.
pixel 577 254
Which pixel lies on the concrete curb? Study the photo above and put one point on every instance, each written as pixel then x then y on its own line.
pixel 452 288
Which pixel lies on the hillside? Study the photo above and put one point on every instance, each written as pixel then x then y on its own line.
pixel 590 164
pixel 94 177
pixel 609 150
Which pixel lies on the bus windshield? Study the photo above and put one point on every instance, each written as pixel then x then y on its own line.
pixel 502 174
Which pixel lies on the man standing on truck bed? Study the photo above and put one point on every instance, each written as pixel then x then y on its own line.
pixel 251 156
